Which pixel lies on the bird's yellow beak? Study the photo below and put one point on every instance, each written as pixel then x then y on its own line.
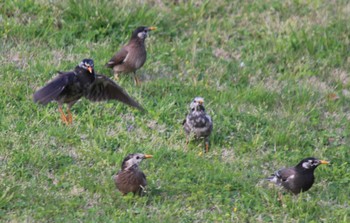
pixel 152 28
pixel 200 102
pixel 324 162
pixel 148 156
pixel 90 69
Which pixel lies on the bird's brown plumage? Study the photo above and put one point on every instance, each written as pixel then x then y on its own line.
pixel 133 55
pixel 130 178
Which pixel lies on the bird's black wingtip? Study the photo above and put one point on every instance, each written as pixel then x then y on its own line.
pixel 36 98
pixel 38 101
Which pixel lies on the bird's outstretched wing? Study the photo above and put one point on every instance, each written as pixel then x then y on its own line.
pixel 118 58
pixel 52 89
pixel 104 88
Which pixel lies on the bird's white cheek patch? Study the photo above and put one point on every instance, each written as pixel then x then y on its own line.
pixel 141 35
pixel 306 165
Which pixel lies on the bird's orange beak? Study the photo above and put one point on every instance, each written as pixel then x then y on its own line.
pixel 324 162
pixel 200 102
pixel 152 28
pixel 148 156
pixel 90 69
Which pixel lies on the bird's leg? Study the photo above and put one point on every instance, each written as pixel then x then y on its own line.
pixel 63 116
pixel 206 145
pixel 69 116
pixel 136 80
pixel 142 190
pixel 187 141
pixel 280 198
pixel 116 76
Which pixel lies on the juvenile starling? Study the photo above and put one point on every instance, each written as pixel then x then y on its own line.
pixel 299 178
pixel 133 55
pixel 130 178
pixel 69 87
pixel 198 122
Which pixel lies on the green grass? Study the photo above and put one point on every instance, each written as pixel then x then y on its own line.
pixel 275 78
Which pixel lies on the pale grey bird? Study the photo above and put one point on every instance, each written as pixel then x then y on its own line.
pixel 198 122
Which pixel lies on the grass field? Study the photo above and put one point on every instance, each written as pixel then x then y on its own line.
pixel 275 78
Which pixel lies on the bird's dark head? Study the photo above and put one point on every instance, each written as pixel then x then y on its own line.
pixel 311 163
pixel 197 104
pixel 134 159
pixel 142 32
pixel 87 64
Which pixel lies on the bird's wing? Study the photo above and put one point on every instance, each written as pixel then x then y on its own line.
pixel 282 175
pixel 118 58
pixel 285 174
pixel 52 89
pixel 144 179
pixel 104 88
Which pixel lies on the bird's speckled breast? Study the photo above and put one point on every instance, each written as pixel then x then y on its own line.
pixel 199 123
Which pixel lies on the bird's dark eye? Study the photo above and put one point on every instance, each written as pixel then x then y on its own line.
pixel 137 157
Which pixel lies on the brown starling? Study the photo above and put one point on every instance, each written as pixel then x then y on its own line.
pixel 198 122
pixel 299 178
pixel 133 55
pixel 130 178
pixel 69 87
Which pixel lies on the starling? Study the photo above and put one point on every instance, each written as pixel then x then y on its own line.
pixel 130 178
pixel 69 87
pixel 299 178
pixel 198 122
pixel 133 55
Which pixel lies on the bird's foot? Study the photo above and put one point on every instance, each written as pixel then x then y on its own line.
pixel 116 76
pixel 64 119
pixel 142 191
pixel 280 198
pixel 137 81
pixel 63 116
pixel 206 147
pixel 69 119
